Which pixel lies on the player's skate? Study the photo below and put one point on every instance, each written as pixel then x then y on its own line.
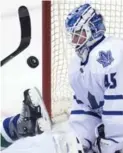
pixel 34 117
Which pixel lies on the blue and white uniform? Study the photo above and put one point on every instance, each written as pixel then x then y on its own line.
pixel 98 88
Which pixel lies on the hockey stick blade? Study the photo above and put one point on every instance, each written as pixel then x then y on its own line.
pixel 25 25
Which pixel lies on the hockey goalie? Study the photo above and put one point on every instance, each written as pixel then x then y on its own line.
pixel 96 77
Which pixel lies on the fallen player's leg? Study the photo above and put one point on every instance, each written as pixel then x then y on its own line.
pixel 33 119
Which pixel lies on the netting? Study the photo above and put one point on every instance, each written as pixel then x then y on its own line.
pixel 112 10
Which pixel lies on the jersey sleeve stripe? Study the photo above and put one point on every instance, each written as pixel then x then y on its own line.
pixel 80 112
pixel 112 112
pixel 113 97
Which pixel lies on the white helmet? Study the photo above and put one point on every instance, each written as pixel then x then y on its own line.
pixel 84 27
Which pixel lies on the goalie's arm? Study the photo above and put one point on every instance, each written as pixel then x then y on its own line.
pixel 112 115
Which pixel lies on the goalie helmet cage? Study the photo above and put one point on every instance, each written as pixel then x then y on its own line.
pixel 57 53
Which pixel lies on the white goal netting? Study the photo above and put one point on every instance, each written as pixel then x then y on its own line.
pixel 62 52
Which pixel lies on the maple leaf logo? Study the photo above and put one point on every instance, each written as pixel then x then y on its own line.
pixel 105 58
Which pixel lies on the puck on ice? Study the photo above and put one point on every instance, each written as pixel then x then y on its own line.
pixel 32 61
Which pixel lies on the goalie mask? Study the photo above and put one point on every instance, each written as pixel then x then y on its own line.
pixel 84 28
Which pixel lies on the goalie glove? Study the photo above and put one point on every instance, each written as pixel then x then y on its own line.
pixel 105 145
pixel 110 146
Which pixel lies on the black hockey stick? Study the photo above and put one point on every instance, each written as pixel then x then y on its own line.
pixel 25 25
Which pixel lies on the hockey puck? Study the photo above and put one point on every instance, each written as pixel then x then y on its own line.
pixel 32 61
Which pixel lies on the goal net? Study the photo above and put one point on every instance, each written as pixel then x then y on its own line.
pixel 57 52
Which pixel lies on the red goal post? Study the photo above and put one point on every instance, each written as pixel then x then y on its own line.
pixel 57 53
pixel 46 54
